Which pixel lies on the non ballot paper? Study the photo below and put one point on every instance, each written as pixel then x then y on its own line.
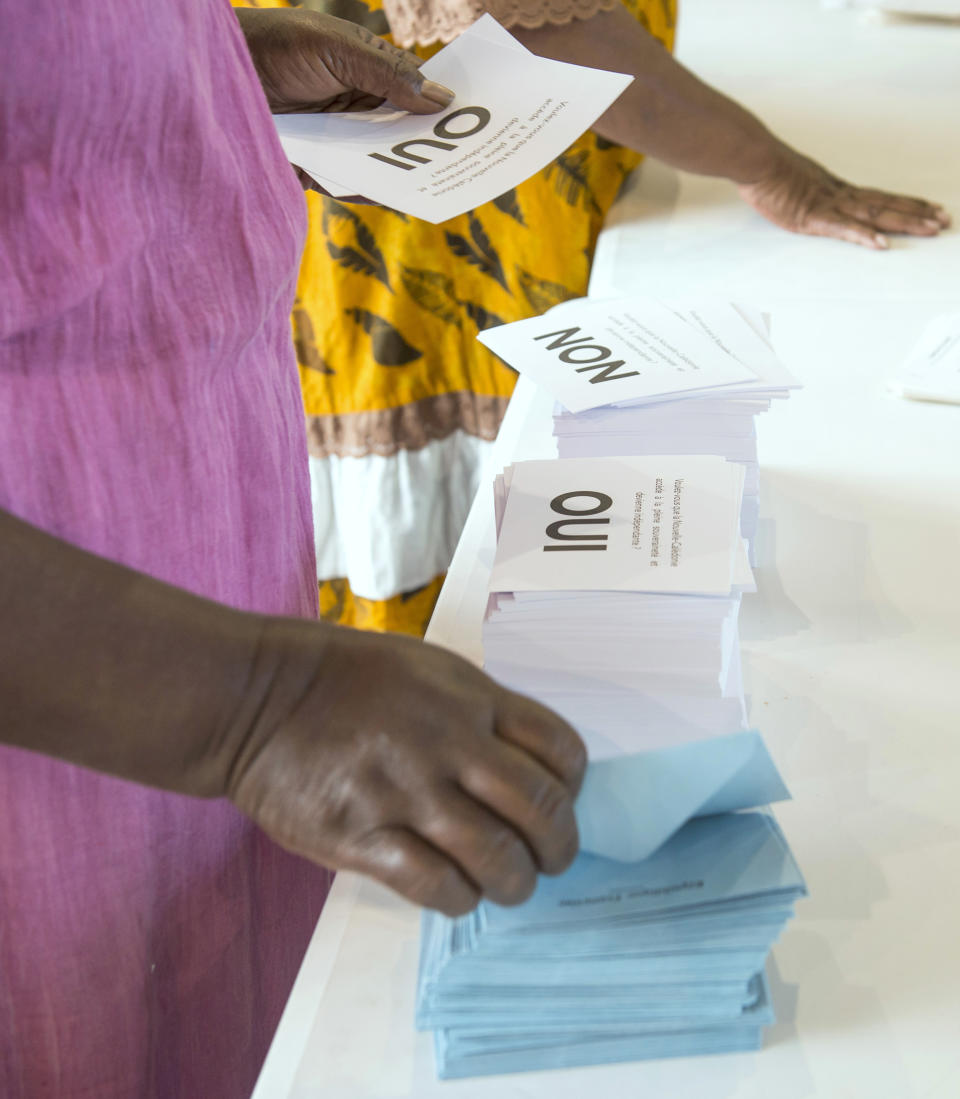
pixel 514 113
pixel 656 524
pixel 590 353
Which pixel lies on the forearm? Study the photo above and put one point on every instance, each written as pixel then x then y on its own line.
pixel 666 112
pixel 106 667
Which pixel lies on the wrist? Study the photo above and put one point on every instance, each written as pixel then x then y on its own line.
pixel 287 659
pixel 108 668
pixel 762 157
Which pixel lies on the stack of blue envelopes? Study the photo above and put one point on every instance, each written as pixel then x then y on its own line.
pixel 653 944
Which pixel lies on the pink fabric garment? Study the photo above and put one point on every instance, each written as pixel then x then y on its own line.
pixel 150 231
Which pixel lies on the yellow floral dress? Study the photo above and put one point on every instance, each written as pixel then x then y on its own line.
pixel 401 400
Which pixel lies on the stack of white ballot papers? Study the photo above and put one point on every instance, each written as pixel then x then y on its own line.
pixel 615 594
pixel 614 597
pixel 514 112
pixel 653 944
pixel 639 376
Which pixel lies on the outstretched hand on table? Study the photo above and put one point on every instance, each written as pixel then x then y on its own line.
pixel 800 195
pixel 669 113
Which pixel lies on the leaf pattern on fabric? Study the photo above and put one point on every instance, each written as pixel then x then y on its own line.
pixel 542 293
pixel 433 291
pixel 570 181
pixel 335 211
pixel 333 599
pixel 480 253
pixel 368 243
pixel 305 341
pixel 366 258
pixel 481 316
pixel 387 343
pixel 668 8
pixel 482 241
pixel 510 205
pixel 352 259
pixel 602 143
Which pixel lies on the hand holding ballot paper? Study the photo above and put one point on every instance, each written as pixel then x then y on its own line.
pixel 496 133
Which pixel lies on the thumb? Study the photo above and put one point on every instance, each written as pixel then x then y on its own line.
pixel 381 69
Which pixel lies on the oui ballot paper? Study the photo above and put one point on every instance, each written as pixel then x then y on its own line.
pixel 589 353
pixel 514 112
pixel 654 524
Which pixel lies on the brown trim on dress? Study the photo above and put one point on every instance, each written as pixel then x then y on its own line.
pixel 411 426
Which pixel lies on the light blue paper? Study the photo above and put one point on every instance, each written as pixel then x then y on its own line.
pixel 470 1051
pixel 630 806
pixel 651 944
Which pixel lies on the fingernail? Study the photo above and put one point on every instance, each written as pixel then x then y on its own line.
pixel 437 93
pixel 881 241
pixel 933 223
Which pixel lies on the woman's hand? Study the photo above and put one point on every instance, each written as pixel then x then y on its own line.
pixel 800 195
pixel 307 61
pixel 373 752
pixel 670 114
pixel 395 758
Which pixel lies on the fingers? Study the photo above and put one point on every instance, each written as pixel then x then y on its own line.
pixel 805 198
pixel 529 798
pixel 893 213
pixel 545 736
pixel 919 207
pixel 488 851
pixel 375 67
pixel 413 868
pixel 839 226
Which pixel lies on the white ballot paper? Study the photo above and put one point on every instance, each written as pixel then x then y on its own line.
pixel 656 524
pixel 932 369
pixel 514 113
pixel 591 353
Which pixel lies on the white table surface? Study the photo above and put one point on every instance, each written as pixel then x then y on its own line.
pixel 851 646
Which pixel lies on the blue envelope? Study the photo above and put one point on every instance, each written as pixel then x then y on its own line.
pixel 630 806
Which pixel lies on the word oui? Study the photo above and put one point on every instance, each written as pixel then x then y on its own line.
pixel 442 130
pixel 592 356
pixel 559 504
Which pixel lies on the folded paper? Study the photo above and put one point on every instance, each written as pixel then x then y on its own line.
pixel 630 806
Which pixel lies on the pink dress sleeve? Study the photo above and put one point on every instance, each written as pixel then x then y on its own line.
pixel 423 22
